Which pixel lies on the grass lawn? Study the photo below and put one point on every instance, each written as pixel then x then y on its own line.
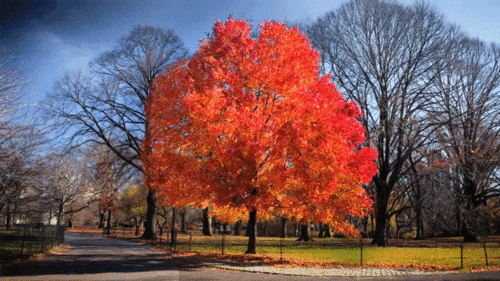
pixel 436 253
pixel 338 251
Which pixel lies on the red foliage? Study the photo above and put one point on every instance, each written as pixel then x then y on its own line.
pixel 250 124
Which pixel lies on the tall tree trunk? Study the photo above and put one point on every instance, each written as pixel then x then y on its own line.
pixel 468 234
pixel 305 232
pixel 108 227
pixel 324 231
pixel 101 218
pixel 8 218
pixel 137 224
pixel 183 220
pixel 172 229
pixel 458 217
pixel 321 231
pixel 206 223
pixel 252 232
pixel 149 226
pixel 216 226
pixel 59 214
pixel 420 223
pixel 380 238
pixel 469 221
pixel 284 221
pixel 237 226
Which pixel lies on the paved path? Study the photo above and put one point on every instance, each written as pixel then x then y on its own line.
pixel 91 257
pixel 95 258
pixel 330 272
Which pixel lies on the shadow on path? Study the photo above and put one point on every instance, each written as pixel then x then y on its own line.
pixel 88 254
pixel 91 257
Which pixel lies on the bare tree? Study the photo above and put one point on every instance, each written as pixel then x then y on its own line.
pixel 108 173
pixel 18 142
pixel 384 56
pixel 468 107
pixel 109 107
pixel 67 184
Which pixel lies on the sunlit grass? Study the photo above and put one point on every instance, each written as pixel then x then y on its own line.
pixel 427 254
pixel 347 251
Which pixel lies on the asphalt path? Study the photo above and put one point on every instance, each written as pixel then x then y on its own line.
pixel 91 257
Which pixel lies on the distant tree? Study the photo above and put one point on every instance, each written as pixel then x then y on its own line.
pixel 109 108
pixel 133 204
pixel 67 184
pixel 20 172
pixel 108 173
pixel 385 56
pixel 251 126
pixel 468 107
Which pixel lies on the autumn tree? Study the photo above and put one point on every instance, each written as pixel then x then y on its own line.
pixel 385 56
pixel 108 108
pixel 249 125
pixel 133 204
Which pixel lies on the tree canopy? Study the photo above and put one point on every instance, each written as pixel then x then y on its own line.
pixel 249 124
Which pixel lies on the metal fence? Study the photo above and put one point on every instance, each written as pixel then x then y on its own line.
pixel 23 241
pixel 456 254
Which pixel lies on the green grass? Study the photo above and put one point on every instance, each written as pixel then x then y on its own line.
pixel 427 254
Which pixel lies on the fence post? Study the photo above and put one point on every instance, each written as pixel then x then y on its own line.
pixel 223 236
pixel 485 253
pixel 42 237
pixel 361 249
pixel 24 239
pixel 281 248
pixel 461 255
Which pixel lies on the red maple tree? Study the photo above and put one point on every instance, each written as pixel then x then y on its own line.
pixel 249 124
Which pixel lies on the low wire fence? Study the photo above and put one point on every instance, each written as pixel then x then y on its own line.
pixel 23 241
pixel 437 253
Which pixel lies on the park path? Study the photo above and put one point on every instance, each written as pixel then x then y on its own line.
pixel 91 257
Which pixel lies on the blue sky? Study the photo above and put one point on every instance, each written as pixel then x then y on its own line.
pixel 50 37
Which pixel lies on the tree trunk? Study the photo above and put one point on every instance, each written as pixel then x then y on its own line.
pixel 172 229
pixel 252 232
pixel 468 234
pixel 469 221
pixel 149 226
pixel 328 233
pixel 137 224
pixel 247 231
pixel 380 238
pixel 206 223
pixel 284 221
pixel 108 227
pixel 8 218
pixel 101 219
pixel 216 226
pixel 324 231
pixel 59 215
pixel 183 221
pixel 305 232
pixel 420 223
pixel 237 227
